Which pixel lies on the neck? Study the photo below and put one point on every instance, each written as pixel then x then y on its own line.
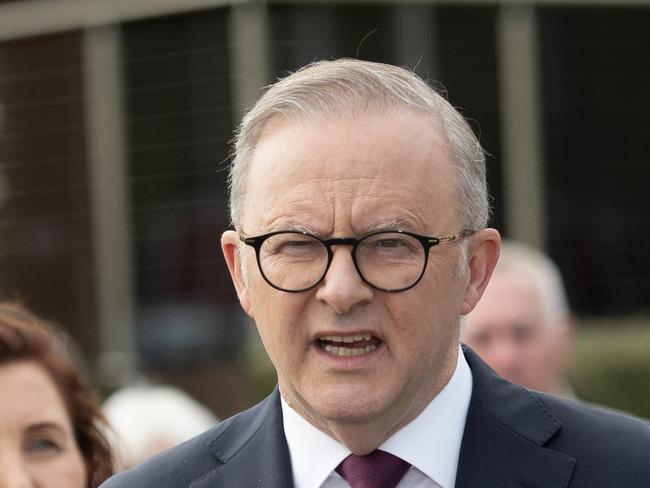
pixel 362 435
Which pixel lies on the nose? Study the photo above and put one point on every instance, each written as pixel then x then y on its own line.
pixel 342 288
pixel 13 472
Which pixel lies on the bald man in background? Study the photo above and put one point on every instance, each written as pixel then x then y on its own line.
pixel 523 327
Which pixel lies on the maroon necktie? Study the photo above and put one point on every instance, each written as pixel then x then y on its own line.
pixel 378 469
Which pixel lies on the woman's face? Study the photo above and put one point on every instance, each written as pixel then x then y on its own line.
pixel 37 443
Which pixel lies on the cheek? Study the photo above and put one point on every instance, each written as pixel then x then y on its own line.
pixel 422 323
pixel 280 321
pixel 66 470
pixel 435 302
pixel 536 354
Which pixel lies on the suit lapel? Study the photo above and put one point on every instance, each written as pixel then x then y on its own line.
pixel 253 451
pixel 504 436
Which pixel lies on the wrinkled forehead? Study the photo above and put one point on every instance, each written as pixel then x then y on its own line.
pixel 396 163
pixel 355 122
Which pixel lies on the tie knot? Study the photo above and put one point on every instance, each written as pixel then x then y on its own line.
pixel 378 469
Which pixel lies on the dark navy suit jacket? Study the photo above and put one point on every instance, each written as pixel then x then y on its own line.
pixel 513 438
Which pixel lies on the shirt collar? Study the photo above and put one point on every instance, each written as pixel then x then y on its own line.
pixel 303 439
pixel 430 443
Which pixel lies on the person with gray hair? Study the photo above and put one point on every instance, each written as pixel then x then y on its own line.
pixel 523 327
pixel 140 416
pixel 360 209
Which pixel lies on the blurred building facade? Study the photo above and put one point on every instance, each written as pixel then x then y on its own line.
pixel 115 121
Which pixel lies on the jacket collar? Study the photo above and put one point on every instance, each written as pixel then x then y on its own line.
pixel 251 450
pixel 505 432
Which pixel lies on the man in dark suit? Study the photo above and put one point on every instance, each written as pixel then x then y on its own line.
pixel 359 201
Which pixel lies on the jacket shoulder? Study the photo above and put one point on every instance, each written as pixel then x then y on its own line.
pixel 604 442
pixel 539 437
pixel 584 423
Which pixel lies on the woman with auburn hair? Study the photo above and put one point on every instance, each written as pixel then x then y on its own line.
pixel 51 425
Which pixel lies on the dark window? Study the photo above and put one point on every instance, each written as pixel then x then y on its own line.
pixel 596 99
pixel 46 255
pixel 455 46
pixel 178 126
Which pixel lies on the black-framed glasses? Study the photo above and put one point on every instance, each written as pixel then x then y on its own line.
pixel 390 261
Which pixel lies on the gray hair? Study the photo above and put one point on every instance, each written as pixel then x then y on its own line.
pixel 348 87
pixel 140 416
pixel 541 272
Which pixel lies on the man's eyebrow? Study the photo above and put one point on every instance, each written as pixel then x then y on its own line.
pixel 395 223
pixel 389 224
pixel 294 225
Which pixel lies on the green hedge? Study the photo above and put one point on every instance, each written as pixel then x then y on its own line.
pixel 612 363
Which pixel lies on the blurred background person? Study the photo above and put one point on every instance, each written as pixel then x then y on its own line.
pixel 148 419
pixel 522 326
pixel 51 425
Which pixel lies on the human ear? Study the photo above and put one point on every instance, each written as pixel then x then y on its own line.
pixel 483 253
pixel 230 245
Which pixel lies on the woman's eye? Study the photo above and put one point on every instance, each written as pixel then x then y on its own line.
pixel 42 446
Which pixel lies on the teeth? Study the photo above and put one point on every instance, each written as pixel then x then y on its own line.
pixel 349 351
pixel 346 339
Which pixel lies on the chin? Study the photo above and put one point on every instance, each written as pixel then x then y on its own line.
pixel 348 407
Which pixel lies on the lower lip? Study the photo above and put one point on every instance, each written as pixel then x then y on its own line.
pixel 349 362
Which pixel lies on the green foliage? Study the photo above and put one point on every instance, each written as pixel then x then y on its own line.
pixel 612 364
pixel 257 365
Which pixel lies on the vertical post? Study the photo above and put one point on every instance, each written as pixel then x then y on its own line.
pixel 109 202
pixel 249 71
pixel 520 123
pixel 249 44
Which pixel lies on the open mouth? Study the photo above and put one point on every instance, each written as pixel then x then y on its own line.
pixel 352 345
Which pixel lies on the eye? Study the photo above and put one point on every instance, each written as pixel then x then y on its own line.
pixel 291 245
pixel 523 332
pixel 42 446
pixel 481 339
pixel 297 244
pixel 389 243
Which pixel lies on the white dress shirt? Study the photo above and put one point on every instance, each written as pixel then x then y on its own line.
pixel 430 443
